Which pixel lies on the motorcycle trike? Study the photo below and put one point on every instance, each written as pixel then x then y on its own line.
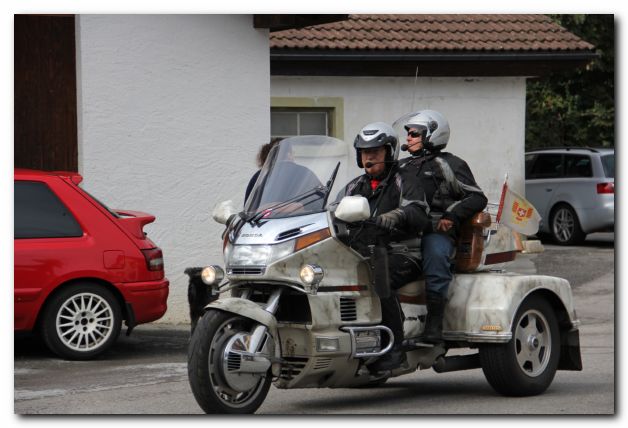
pixel 299 308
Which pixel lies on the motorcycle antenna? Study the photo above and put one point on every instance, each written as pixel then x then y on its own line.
pixel 416 75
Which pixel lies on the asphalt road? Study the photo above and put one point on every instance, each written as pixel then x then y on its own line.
pixel 146 373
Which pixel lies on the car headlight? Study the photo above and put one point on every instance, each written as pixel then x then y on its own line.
pixel 212 275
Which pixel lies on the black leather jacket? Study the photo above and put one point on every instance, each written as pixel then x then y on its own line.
pixel 457 199
pixel 395 192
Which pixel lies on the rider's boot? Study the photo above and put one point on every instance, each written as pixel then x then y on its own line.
pixel 391 360
pixel 433 332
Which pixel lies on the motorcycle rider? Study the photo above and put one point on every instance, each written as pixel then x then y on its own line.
pixel 399 210
pixel 453 197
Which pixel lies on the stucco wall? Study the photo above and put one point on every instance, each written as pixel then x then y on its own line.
pixel 486 115
pixel 172 110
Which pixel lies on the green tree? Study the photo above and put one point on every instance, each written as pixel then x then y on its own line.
pixel 576 108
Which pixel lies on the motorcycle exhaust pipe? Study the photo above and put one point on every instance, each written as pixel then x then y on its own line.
pixel 456 363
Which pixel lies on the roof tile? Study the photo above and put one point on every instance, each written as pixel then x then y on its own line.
pixel 459 32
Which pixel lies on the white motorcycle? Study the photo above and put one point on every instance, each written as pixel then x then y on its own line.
pixel 304 312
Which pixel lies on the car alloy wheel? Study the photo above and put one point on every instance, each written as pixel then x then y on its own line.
pixel 84 322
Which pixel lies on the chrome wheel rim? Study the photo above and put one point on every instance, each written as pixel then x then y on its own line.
pixel 227 395
pixel 84 322
pixel 533 343
pixel 564 224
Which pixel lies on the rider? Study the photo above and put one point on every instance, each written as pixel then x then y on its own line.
pixel 453 197
pixel 399 211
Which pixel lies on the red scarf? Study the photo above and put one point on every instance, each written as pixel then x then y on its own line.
pixel 374 184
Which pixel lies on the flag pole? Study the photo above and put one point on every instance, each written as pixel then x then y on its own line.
pixel 501 199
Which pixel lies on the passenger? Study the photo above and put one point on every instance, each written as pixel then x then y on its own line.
pixel 261 158
pixel 398 210
pixel 453 197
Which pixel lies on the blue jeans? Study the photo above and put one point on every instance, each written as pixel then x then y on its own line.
pixel 438 250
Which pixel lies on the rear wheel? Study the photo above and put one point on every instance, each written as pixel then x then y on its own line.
pixel 81 321
pixel 208 372
pixel 565 226
pixel 527 364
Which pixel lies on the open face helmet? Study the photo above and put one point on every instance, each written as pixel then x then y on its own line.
pixel 433 126
pixel 373 135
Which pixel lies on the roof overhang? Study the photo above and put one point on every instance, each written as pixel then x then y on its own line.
pixel 286 22
pixel 303 62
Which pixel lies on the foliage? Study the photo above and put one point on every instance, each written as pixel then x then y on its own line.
pixel 576 108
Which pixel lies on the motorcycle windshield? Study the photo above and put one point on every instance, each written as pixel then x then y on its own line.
pixel 296 178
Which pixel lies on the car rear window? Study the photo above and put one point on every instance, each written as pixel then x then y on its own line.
pixel 38 213
pixel 608 163
pixel 113 213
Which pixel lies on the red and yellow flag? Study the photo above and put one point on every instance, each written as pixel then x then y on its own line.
pixel 517 213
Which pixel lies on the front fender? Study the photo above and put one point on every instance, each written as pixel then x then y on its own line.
pixel 247 309
pixel 482 306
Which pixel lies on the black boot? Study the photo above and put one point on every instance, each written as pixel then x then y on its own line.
pixel 433 332
pixel 391 360
pixel 392 317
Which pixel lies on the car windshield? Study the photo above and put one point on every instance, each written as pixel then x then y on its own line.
pixel 608 163
pixel 296 178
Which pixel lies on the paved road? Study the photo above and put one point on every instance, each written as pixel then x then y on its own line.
pixel 146 373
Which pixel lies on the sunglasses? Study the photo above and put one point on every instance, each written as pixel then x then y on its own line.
pixel 415 134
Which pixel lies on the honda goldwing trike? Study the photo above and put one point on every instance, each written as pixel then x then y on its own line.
pixel 303 309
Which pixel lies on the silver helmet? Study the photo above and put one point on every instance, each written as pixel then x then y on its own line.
pixel 376 134
pixel 433 125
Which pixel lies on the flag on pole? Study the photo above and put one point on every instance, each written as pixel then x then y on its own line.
pixel 517 213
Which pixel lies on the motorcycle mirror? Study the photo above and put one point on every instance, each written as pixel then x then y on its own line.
pixel 224 211
pixel 353 208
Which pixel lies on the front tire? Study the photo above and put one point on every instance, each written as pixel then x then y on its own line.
pixel 565 226
pixel 527 364
pixel 205 368
pixel 81 321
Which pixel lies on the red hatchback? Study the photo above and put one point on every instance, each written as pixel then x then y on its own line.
pixel 81 268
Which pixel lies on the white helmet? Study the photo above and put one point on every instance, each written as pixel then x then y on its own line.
pixel 375 135
pixel 433 125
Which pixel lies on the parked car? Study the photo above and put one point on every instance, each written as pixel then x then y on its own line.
pixel 81 268
pixel 573 189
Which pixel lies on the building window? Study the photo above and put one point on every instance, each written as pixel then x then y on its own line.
pixel 288 122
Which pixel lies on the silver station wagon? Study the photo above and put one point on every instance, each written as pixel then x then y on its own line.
pixel 573 188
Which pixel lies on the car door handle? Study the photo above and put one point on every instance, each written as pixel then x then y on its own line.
pixel 548 190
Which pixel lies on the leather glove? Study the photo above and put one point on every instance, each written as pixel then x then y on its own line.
pixel 389 220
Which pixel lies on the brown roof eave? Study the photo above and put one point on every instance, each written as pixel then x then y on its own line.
pixel 430 63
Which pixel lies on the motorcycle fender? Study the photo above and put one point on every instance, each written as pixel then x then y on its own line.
pixel 482 306
pixel 251 310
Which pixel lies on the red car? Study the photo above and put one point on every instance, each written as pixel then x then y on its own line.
pixel 81 268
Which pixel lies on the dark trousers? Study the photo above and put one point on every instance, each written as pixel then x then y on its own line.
pixel 402 270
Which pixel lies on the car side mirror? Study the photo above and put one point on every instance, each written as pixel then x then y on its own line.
pixel 353 208
pixel 224 212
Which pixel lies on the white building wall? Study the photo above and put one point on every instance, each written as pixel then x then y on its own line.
pixel 486 115
pixel 172 110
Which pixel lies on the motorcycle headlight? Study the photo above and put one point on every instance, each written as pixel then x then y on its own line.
pixel 311 274
pixel 258 255
pixel 211 275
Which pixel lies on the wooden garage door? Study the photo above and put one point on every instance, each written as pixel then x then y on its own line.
pixel 45 93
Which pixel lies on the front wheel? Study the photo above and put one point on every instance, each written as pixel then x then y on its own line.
pixel 208 372
pixel 527 364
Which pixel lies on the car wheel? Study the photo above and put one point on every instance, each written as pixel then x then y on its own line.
pixel 527 364
pixel 81 321
pixel 565 226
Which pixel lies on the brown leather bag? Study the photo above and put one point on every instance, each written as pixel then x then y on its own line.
pixel 471 242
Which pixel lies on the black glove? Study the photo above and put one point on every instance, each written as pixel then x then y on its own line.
pixel 389 220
